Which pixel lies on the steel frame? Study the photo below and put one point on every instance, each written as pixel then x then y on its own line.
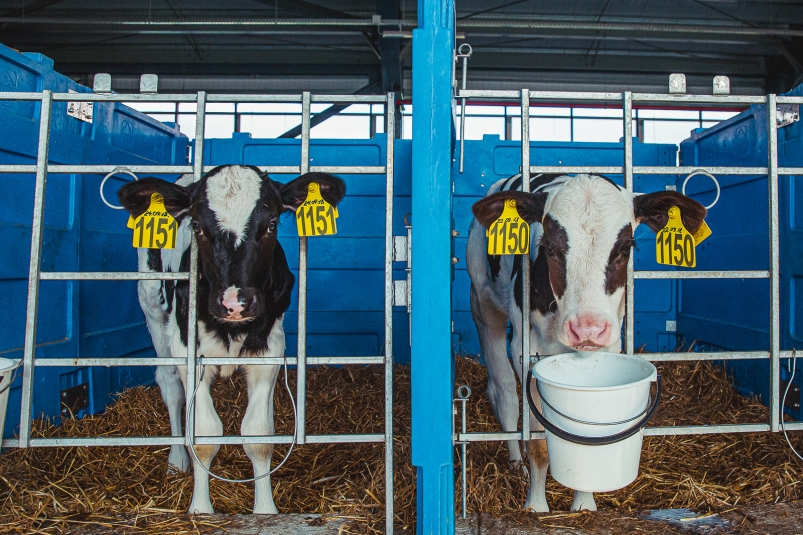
pixel 35 275
pixel 626 100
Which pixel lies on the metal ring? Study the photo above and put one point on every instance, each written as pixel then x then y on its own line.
pixel 461 54
pixel 407 220
pixel 464 392
pixel 121 169
pixel 709 175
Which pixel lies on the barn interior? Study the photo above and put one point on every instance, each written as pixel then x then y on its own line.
pixel 363 48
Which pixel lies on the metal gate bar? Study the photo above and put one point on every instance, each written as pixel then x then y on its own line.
pixel 41 170
pixel 627 100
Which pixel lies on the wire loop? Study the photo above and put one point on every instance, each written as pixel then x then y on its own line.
pixel 709 175
pixel 117 170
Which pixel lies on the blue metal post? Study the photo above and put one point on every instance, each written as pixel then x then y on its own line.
pixel 432 364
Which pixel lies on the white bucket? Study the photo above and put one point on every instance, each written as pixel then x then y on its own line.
pixel 588 395
pixel 7 375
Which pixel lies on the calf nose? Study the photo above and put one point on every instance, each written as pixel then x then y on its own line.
pixel 588 331
pixel 233 303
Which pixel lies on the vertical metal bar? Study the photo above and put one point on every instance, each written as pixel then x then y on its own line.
pixel 432 364
pixel 301 387
pixel 775 265
pixel 525 271
pixel 192 323
pixel 462 125
pixel 627 139
pixel 463 453
pixel 389 130
pixel 37 225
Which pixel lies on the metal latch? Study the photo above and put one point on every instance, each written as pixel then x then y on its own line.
pixel 74 399
pixel 786 114
pixel 793 400
pixel 402 289
pixel 80 110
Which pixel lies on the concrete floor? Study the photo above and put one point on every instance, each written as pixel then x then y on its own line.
pixel 781 519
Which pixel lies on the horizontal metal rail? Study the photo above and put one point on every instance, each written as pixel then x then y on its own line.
pixel 680 356
pixel 661 431
pixel 180 440
pixel 191 98
pixel 617 98
pixel 113 275
pixel 186 169
pixel 701 274
pixel 660 170
pixel 209 361
pixel 380 169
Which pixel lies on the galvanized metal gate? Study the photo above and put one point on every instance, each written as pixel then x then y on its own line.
pixel 46 99
pixel 626 100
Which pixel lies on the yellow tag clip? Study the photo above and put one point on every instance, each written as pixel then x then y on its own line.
pixel 510 233
pixel 155 228
pixel 315 216
pixel 674 245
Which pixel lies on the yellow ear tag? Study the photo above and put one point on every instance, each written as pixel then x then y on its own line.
pixel 510 233
pixel 674 245
pixel 702 233
pixel 155 228
pixel 315 216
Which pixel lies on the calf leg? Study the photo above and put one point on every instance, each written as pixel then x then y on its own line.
pixel 539 463
pixel 258 420
pixel 583 501
pixel 207 424
pixel 167 377
pixel 492 329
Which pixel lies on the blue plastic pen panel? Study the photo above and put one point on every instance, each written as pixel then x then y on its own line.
pixel 734 314
pixel 491 159
pixel 86 319
pixel 345 275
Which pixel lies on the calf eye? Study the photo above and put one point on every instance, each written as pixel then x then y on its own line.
pixel 196 227
pixel 549 250
pixel 272 226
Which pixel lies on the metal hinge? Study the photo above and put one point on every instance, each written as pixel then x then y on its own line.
pixel 400 289
pixel 786 114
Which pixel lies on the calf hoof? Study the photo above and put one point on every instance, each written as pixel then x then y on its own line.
pixel 178 460
pixel 540 506
pixel 583 501
pixel 201 507
pixel 267 509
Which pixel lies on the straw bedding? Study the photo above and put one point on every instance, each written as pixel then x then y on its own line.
pixel 127 490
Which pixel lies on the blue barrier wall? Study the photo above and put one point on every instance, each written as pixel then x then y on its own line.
pixel 345 285
pixel 76 318
pixel 490 159
pixel 734 314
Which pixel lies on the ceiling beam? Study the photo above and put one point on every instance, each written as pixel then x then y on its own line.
pixel 32 7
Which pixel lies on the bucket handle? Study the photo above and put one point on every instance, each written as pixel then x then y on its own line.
pixel 13 378
pixel 591 441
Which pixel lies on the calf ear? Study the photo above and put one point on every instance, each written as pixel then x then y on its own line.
pixel 135 196
pixel 294 193
pixel 651 209
pixel 529 205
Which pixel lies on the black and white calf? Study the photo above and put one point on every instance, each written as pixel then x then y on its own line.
pixel 581 232
pixel 244 287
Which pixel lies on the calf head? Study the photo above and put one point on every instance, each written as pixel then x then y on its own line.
pixel 588 225
pixel 234 212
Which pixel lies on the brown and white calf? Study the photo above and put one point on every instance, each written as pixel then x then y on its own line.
pixel 581 234
pixel 244 286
